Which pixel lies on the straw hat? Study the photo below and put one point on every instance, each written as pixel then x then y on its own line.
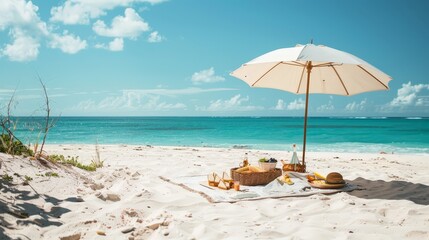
pixel 334 178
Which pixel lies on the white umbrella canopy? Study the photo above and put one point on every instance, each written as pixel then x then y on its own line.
pixel 306 69
pixel 333 71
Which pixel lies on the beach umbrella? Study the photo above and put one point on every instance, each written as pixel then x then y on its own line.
pixel 306 69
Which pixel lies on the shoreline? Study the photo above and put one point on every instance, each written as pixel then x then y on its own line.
pixel 126 199
pixel 299 152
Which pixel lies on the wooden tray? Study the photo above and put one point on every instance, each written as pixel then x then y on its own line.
pixel 322 184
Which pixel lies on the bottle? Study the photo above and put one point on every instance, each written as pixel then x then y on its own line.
pixel 294 159
pixel 245 162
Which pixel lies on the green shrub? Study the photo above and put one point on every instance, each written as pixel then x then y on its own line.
pixel 72 161
pixel 27 180
pixel 7 178
pixel 13 147
pixel 51 174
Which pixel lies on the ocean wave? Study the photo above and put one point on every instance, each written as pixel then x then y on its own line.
pixel 241 147
pixel 413 118
pixel 366 148
pixel 348 147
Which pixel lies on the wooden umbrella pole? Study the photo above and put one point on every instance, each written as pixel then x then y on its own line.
pixel 309 67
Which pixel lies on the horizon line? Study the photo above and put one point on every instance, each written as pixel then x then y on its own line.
pixel 226 116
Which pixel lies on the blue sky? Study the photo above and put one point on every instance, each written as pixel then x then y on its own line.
pixel 173 58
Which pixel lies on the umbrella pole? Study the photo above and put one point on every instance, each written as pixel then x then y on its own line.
pixel 309 67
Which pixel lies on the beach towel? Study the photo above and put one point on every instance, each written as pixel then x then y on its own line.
pixel 275 189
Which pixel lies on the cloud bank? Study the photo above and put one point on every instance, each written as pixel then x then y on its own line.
pixel 28 32
pixel 206 76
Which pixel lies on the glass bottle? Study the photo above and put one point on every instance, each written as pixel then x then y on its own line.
pixel 245 162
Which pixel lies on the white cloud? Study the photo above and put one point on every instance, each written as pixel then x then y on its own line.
pixel 232 103
pixel 115 45
pixel 355 107
pixel 131 25
pixel 206 76
pixel 408 95
pixel 422 101
pixel 86 105
pixel 170 106
pixel 25 29
pixel 176 92
pixel 23 48
pixel 22 14
pixel 6 91
pixel 27 32
pixel 327 107
pixel 153 2
pixel 236 103
pixel 68 43
pixel 130 100
pixel 82 11
pixel 297 104
pixel 75 13
pixel 154 37
pixel 280 105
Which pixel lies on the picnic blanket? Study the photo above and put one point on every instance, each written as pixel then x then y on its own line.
pixel 274 189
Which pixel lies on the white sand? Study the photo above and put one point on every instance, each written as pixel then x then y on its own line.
pixel 395 204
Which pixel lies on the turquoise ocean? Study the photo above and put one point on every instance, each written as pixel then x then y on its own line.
pixel 398 135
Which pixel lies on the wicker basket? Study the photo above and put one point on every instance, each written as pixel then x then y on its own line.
pixel 255 178
pixel 293 167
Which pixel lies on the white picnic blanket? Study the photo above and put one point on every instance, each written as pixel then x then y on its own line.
pixel 275 189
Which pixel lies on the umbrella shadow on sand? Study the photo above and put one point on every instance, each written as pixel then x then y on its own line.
pixel 394 190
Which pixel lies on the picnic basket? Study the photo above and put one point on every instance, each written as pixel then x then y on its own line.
pixel 287 167
pixel 255 178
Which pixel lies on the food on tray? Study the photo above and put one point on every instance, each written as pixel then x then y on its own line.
pixel 334 178
pixel 249 169
pixel 210 179
pixel 318 182
pixel 323 184
pixel 213 179
pixel 319 176
pixel 287 179
pixel 243 169
pixel 217 180
pixel 271 160
pixel 226 178
pixel 223 185
pixel 310 177
pixel 255 169
pixel 236 185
